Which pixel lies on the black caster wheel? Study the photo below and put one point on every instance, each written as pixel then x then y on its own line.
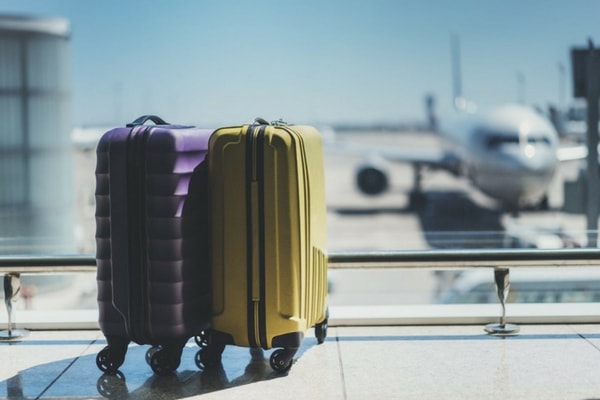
pixel 109 362
pixel 321 328
pixel 280 361
pixel 151 351
pixel 321 331
pixel 198 360
pixel 164 362
pixel 208 357
pixel 202 339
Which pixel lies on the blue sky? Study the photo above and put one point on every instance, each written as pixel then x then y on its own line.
pixel 225 62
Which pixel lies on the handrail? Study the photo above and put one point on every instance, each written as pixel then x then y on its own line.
pixel 501 260
pixel 428 259
pixel 468 258
pixel 47 263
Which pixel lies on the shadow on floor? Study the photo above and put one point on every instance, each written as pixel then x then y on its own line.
pixel 449 219
pixel 80 378
pixel 453 220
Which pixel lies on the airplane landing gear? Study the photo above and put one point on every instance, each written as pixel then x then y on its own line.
pixel 416 197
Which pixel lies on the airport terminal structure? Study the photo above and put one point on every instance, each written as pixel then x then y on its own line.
pixel 439 292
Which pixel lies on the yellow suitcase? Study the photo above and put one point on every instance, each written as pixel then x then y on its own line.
pixel 269 239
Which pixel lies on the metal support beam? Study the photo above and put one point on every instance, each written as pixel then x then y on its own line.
pixel 593 180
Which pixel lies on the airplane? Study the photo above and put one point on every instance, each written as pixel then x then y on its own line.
pixel 510 153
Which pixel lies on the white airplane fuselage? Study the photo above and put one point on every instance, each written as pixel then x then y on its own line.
pixel 509 153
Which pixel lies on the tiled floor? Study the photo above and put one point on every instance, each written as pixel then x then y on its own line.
pixel 401 362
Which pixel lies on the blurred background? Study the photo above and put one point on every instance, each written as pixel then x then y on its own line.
pixel 379 79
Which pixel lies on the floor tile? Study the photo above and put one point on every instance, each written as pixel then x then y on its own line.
pixel 400 362
pixel 31 366
pixel 460 363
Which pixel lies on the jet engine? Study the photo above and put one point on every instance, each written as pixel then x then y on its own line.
pixel 372 179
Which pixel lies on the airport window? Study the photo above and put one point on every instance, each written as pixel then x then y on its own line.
pixel 50 123
pixel 577 113
pixel 457 196
pixel 565 292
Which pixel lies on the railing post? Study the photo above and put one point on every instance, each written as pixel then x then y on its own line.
pixel 12 287
pixel 502 280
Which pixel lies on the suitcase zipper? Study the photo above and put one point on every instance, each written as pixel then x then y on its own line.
pixel 136 211
pixel 262 304
pixel 255 235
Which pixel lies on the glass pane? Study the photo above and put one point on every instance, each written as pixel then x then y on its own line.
pixel 11 125
pixel 373 78
pixel 10 63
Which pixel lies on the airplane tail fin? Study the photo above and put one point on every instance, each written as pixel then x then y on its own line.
pixel 460 102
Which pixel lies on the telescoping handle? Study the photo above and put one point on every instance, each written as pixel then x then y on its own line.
pixel 145 118
pixel 261 121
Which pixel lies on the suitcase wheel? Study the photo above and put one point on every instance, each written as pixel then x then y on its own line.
pixel 162 361
pixel 321 331
pixel 321 328
pixel 202 339
pixel 109 360
pixel 209 356
pixel 150 352
pixel 282 359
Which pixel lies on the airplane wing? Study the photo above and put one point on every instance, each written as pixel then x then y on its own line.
pixel 572 153
pixel 432 157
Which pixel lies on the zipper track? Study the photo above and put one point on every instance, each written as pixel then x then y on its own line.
pixel 255 221
pixel 262 308
pixel 250 176
pixel 136 213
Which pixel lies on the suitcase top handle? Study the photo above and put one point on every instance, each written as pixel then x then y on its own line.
pixel 145 118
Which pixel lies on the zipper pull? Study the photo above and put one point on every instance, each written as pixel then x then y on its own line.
pixel 262 121
pixel 279 122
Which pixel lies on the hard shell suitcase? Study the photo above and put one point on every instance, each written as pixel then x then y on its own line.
pixel 268 233
pixel 151 236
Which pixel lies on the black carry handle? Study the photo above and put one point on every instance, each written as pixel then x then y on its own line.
pixel 145 118
pixel 261 121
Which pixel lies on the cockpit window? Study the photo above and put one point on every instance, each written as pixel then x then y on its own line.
pixel 495 141
pixel 532 139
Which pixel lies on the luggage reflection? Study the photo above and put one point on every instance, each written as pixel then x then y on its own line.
pixel 186 383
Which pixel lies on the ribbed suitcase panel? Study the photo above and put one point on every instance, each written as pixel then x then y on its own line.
pixel 177 243
pixel 176 235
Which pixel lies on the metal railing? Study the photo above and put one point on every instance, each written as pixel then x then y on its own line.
pixel 428 259
pixel 47 264
pixel 500 260
pixel 463 259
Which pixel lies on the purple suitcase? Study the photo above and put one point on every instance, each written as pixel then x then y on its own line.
pixel 151 240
